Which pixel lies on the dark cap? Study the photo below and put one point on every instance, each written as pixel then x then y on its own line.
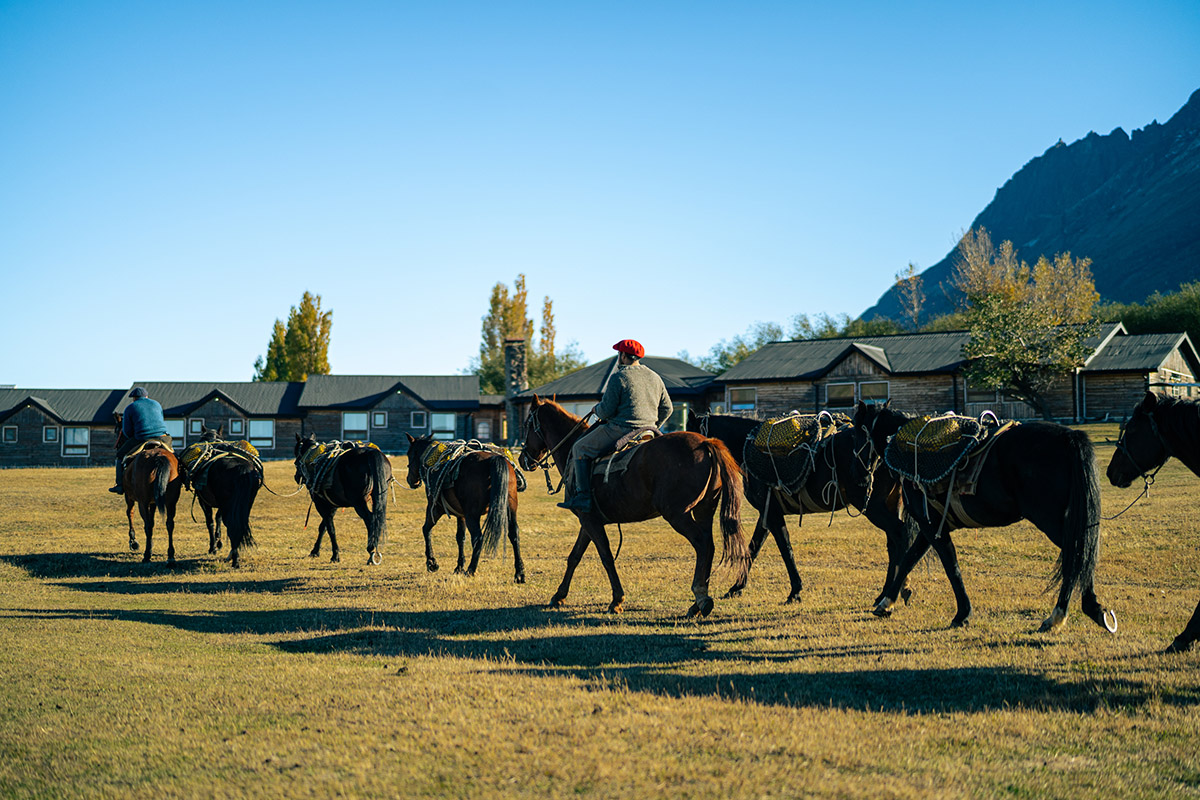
pixel 138 392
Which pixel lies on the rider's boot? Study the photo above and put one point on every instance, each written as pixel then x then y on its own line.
pixel 581 494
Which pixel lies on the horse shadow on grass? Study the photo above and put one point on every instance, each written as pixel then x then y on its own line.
pixel 534 642
pixel 102 565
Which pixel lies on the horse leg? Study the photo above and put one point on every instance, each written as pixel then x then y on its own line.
pixel 327 512
pixel 783 540
pixel 217 529
pixel 147 512
pixel 944 547
pixel 460 538
pixel 900 535
pixel 208 523
pixel 374 557
pixel 1187 638
pixel 700 537
pixel 432 515
pixel 581 544
pixel 891 591
pixel 133 544
pixel 472 523
pixel 514 536
pixel 1098 613
pixel 170 533
pixel 756 542
pixel 599 537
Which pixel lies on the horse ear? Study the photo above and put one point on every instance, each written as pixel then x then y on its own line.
pixel 298 439
pixel 410 437
pixel 221 431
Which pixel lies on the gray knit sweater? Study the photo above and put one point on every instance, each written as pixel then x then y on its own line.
pixel 635 398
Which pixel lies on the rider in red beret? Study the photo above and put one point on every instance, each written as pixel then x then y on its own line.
pixel 634 398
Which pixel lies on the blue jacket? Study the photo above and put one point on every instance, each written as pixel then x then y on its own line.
pixel 143 420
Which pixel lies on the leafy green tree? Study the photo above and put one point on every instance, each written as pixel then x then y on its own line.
pixel 1028 325
pixel 1174 312
pixel 727 352
pixel 507 318
pixel 302 347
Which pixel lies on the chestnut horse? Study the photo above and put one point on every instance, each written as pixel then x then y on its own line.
pixel 151 480
pixel 1038 471
pixel 485 484
pixel 1160 427
pixel 681 477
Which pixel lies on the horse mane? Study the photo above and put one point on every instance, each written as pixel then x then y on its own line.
pixel 1179 421
pixel 556 405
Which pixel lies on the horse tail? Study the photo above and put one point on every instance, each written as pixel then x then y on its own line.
pixel 379 477
pixel 1081 540
pixel 236 512
pixel 733 544
pixel 162 479
pixel 495 525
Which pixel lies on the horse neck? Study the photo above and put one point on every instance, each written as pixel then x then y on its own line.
pixel 560 438
pixel 1179 425
pixel 732 431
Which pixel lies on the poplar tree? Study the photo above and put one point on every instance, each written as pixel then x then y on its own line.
pixel 301 348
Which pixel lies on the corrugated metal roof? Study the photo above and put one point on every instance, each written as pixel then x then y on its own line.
pixel 680 378
pixel 255 398
pixel 809 359
pixel 84 406
pixel 364 391
pixel 1142 351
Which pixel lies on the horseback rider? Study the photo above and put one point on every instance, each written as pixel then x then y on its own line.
pixel 635 398
pixel 143 421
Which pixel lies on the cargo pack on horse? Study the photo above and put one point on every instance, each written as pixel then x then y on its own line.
pixel 957 472
pixel 151 481
pixel 225 478
pixel 469 481
pixel 681 477
pixel 345 475
pixel 1159 428
pixel 820 474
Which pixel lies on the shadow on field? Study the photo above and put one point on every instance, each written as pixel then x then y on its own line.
pixel 103 565
pixel 526 641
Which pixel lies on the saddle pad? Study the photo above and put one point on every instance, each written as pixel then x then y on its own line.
pixel 782 435
pixel 927 449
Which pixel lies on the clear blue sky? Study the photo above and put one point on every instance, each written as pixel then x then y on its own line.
pixel 174 175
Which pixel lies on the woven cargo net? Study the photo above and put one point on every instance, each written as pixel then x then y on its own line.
pixel 441 461
pixel 927 449
pixel 197 458
pixel 782 451
pixel 317 463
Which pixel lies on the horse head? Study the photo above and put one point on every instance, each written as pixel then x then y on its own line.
pixel 416 452
pixel 873 424
pixel 534 448
pixel 118 428
pixel 209 435
pixel 303 445
pixel 1140 449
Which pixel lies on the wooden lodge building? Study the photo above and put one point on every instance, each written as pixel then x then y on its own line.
pixel 924 373
pixel 75 427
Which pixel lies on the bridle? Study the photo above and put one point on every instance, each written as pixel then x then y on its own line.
pixel 533 424
pixel 1146 475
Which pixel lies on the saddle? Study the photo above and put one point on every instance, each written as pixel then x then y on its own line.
pixel 197 458
pixel 782 451
pixel 442 461
pixel 618 460
pixel 149 444
pixel 317 462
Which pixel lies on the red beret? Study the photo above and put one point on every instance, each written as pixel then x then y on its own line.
pixel 630 346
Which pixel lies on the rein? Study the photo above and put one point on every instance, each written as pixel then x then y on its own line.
pixel 535 425
pixel 1147 476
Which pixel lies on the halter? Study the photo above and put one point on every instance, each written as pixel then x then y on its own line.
pixel 1146 476
pixel 534 423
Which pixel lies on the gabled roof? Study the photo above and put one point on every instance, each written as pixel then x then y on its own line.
pixel 1141 352
pixel 66 406
pixel 252 398
pixel 906 353
pixel 366 391
pixel 681 379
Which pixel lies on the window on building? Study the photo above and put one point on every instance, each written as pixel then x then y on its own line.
pixel 195 426
pixel 873 391
pixel 743 400
pixel 378 419
pixel 262 433
pixel 354 425
pixel 418 420
pixel 10 434
pixel 237 426
pixel 50 433
pixel 175 430
pixel 980 395
pixel 839 395
pixel 483 430
pixel 75 441
pixel 442 425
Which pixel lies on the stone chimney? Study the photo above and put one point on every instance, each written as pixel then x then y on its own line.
pixel 516 380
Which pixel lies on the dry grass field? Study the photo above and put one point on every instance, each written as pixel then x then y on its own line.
pixel 296 677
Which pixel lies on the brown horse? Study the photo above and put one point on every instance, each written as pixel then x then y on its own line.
pixel 152 481
pixel 681 477
pixel 483 483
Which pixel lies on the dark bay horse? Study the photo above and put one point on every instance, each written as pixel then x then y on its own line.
pixel 841 477
pixel 358 478
pixel 1159 428
pixel 226 492
pixel 152 482
pixel 1038 471
pixel 485 486
pixel 682 477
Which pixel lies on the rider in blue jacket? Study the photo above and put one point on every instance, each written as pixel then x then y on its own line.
pixel 142 421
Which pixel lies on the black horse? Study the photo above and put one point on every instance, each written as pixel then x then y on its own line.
pixel 226 490
pixel 1039 471
pixel 484 486
pixel 358 478
pixel 1160 427
pixel 841 477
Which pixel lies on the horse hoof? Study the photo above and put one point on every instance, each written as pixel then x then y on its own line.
pixel 883 608
pixel 734 591
pixel 706 606
pixel 1054 621
pixel 617 607
pixel 693 611
pixel 794 597
pixel 335 559
pixel 134 547
pixel 556 601
pixel 375 558
pixel 520 577
pixel 960 623
pixel 1110 627
pixel 906 595
pixel 1180 645
pixel 431 566
pixel 314 553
